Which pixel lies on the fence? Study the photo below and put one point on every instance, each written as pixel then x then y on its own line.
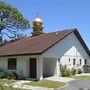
pixel 86 68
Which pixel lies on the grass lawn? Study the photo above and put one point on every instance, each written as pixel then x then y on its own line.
pixel 81 77
pixel 47 83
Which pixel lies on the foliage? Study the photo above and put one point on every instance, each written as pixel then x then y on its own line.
pixel 2 74
pixel 73 71
pixel 11 21
pixel 8 75
pixel 79 71
pixel 12 75
pixel 65 72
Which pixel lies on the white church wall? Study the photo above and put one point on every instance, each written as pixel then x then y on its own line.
pixel 69 47
pixel 23 65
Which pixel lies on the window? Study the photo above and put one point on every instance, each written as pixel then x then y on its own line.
pixel 12 63
pixel 69 60
pixel 58 60
pixel 74 61
pixel 80 61
pixel 85 62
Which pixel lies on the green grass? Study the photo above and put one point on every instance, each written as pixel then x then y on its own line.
pixel 47 83
pixel 81 77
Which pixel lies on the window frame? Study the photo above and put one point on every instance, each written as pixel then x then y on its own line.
pixel 69 60
pixel 80 61
pixel 12 64
pixel 85 61
pixel 74 61
pixel 58 60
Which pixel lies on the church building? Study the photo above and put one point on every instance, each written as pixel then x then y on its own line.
pixel 41 54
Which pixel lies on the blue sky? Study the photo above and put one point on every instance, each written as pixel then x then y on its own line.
pixel 57 14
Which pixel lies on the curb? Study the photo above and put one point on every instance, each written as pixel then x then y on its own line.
pixel 63 86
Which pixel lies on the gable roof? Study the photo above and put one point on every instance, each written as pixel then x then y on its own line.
pixel 38 44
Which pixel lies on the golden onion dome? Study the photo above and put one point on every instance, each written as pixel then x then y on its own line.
pixel 37 21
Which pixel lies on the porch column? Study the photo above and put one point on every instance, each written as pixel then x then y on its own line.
pixel 39 68
pixel 57 73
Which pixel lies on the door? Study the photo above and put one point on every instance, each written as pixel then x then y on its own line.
pixel 33 68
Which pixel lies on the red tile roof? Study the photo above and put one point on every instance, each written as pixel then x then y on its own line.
pixel 38 44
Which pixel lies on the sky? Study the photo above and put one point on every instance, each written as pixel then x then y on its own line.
pixel 57 15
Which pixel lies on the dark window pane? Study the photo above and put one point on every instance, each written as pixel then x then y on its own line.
pixel 85 62
pixel 74 61
pixel 12 63
pixel 69 59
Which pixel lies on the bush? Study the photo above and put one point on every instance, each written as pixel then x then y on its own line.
pixel 2 74
pixel 73 71
pixel 11 75
pixel 79 71
pixel 8 75
pixel 63 69
pixel 65 72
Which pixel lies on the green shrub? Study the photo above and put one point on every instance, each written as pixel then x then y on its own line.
pixel 2 74
pixel 65 72
pixel 12 75
pixel 73 72
pixel 8 75
pixel 79 71
pixel 63 69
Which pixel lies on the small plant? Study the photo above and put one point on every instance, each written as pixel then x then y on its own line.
pixel 2 74
pixel 73 71
pixel 9 75
pixel 79 71
pixel 65 72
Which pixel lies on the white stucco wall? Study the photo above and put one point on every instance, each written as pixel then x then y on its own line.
pixel 23 65
pixel 39 68
pixel 69 47
pixel 49 67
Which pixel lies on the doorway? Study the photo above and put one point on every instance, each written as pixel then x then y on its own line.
pixel 33 68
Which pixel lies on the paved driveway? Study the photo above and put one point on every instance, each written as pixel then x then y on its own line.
pixel 78 85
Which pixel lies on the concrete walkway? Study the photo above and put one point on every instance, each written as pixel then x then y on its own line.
pixel 59 79
pixel 20 84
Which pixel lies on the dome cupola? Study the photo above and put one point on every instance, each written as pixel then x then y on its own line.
pixel 37 27
pixel 37 22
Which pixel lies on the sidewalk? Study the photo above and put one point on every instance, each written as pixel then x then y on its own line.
pixel 20 84
pixel 60 79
